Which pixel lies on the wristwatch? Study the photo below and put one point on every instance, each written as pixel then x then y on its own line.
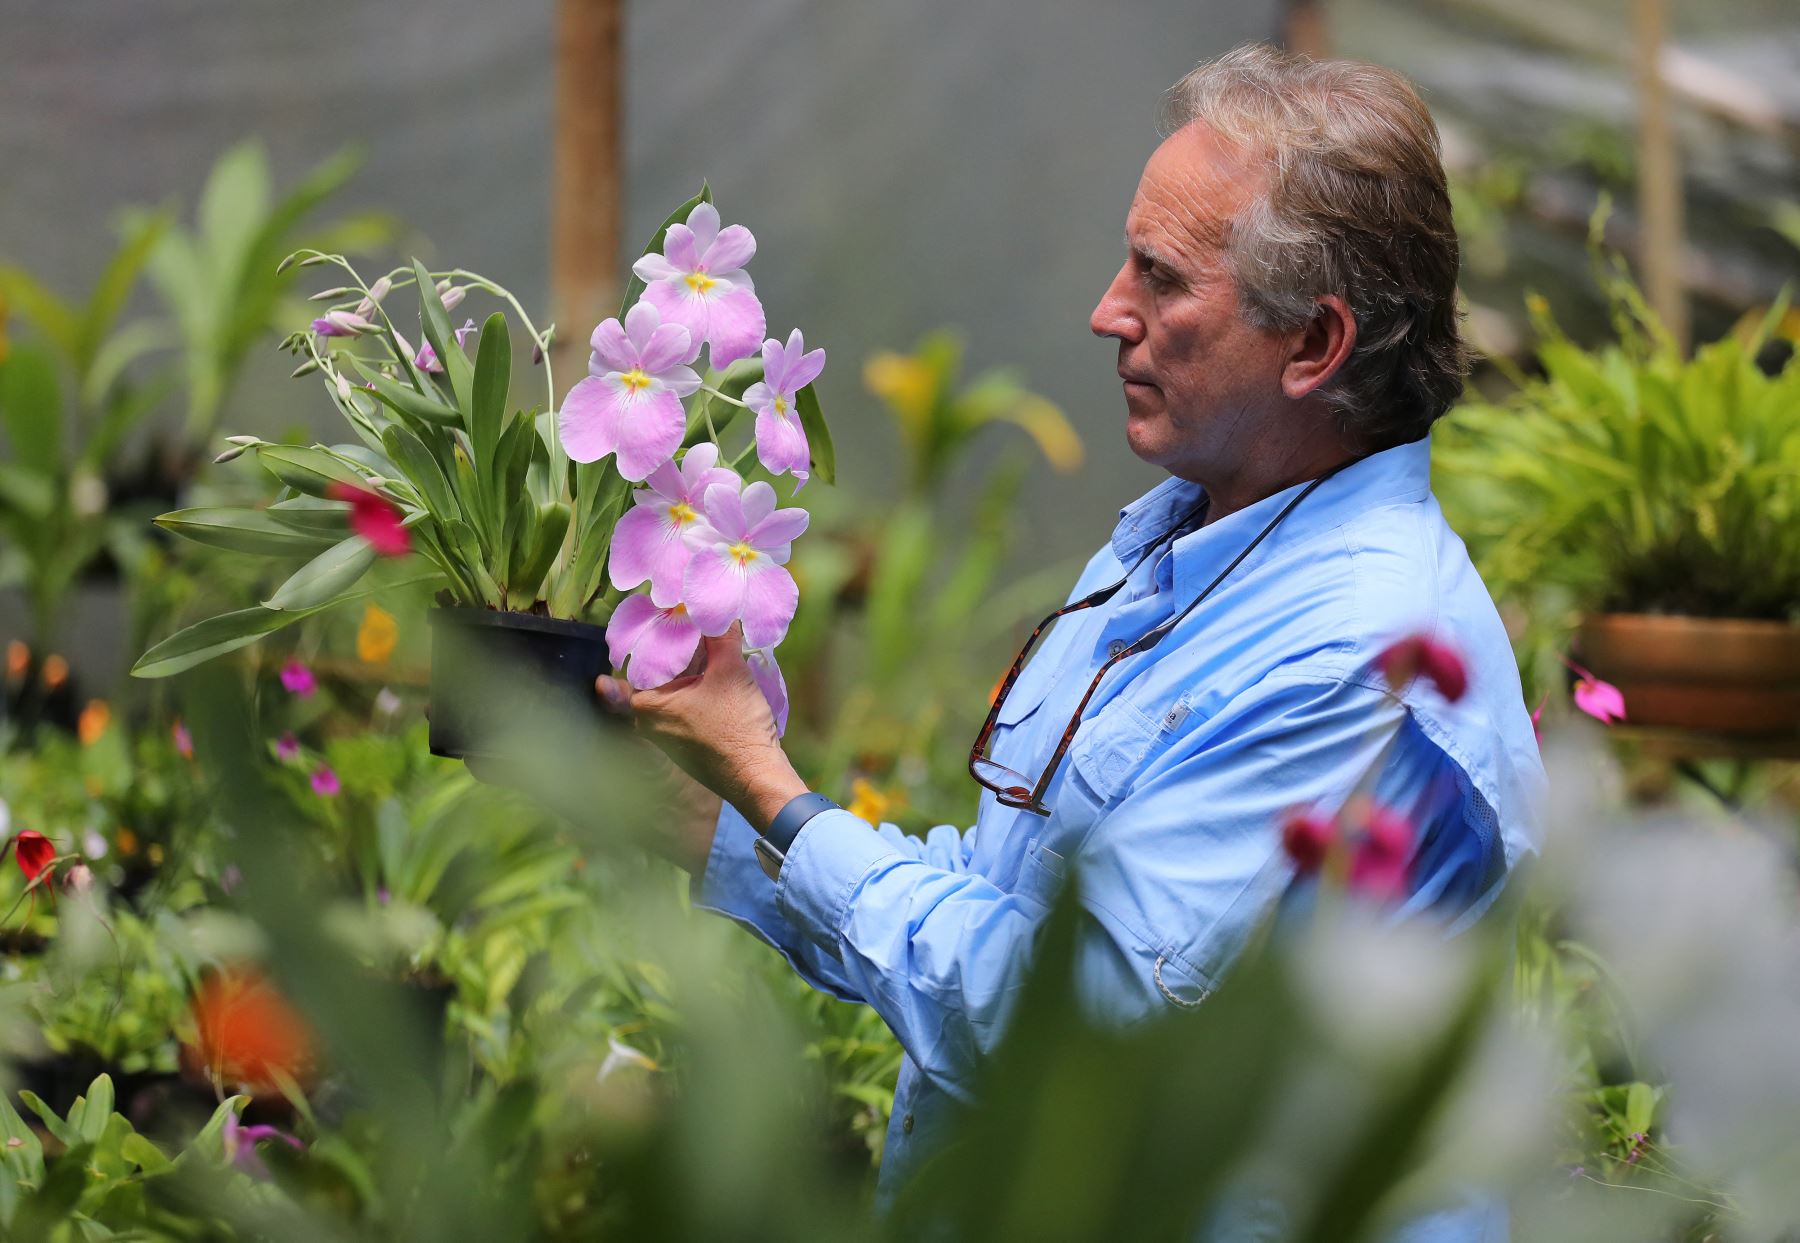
pixel 772 846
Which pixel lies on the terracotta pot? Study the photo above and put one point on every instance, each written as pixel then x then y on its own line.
pixel 1720 674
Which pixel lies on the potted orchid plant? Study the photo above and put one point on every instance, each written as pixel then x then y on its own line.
pixel 609 529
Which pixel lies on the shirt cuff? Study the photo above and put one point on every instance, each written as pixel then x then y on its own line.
pixel 826 865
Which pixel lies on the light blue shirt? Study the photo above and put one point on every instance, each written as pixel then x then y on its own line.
pixel 1265 698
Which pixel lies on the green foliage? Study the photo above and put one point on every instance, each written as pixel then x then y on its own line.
pixel 1633 478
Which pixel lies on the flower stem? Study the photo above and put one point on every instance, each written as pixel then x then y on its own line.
pixel 724 397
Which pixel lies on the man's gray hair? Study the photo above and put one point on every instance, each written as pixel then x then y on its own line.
pixel 1356 205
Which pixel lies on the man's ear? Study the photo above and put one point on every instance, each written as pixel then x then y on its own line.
pixel 1321 347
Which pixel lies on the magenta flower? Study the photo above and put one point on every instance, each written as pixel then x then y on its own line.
pixel 737 571
pixel 287 749
pixel 699 282
pixel 1418 655
pixel 184 741
pixel 630 401
pixel 240 1144
pixel 1307 837
pixel 780 439
pixel 1600 700
pixel 375 518
pixel 325 782
pixel 1382 861
pixel 341 324
pixel 769 680
pixel 651 643
pixel 647 543
pixel 427 360
pixel 297 678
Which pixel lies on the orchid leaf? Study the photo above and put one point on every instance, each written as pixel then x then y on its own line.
pixel 309 470
pixel 487 407
pixel 409 404
pixel 818 435
pixel 436 322
pixel 418 464
pixel 243 530
pixel 324 577
pixel 634 288
pixel 31 407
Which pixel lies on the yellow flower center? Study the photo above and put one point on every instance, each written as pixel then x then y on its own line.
pixel 700 282
pixel 678 609
pixel 681 513
pixel 744 553
pixel 635 379
pixel 781 404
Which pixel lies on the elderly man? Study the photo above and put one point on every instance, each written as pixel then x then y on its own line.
pixel 1287 333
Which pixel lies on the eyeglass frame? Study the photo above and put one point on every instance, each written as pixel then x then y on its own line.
pixel 1017 796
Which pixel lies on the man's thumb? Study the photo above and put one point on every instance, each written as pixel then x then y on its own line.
pixel 725 648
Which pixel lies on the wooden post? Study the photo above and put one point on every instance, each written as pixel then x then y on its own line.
pixel 1304 29
pixel 586 198
pixel 1661 249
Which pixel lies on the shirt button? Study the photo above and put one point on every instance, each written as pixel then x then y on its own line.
pixel 1115 647
pixel 906 1125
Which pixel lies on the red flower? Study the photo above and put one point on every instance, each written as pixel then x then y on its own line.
pixel 247 1033
pixel 1407 658
pixel 1307 838
pixel 375 518
pixel 1383 858
pixel 34 853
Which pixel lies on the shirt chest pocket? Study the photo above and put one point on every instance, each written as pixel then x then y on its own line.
pixel 1114 746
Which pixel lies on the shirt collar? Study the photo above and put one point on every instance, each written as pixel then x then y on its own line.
pixel 1402 474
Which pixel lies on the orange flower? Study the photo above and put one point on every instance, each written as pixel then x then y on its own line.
pixel 247 1033
pixel 376 637
pixel 93 722
pixel 18 659
pixel 126 841
pixel 56 671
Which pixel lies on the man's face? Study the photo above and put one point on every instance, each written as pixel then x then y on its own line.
pixel 1199 381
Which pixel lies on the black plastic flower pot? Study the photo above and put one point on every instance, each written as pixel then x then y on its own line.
pixel 495 676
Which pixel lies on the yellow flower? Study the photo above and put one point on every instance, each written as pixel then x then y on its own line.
pixel 870 803
pixel 93 722
pixel 376 637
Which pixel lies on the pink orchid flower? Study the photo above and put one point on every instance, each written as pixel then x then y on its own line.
pixel 298 679
pixel 240 1144
pixel 287 748
pixel 651 643
pixel 769 680
pixel 1307 837
pixel 1601 700
pixel 325 782
pixel 427 360
pixel 1417 655
pixel 780 438
pixel 699 282
pixel 1382 862
pixel 647 543
pixel 738 567
pixel 341 324
pixel 375 518
pixel 630 401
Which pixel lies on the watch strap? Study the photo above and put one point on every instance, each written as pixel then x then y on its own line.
pixel 793 817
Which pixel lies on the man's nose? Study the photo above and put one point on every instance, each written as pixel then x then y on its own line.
pixel 1116 316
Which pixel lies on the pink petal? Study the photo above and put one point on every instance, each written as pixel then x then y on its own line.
pixel 733 248
pixel 679 247
pixel 588 423
pixel 806 369
pixel 650 430
pixel 681 305
pixel 380 524
pixel 703 226
pixel 626 626
pixel 668 346
pixel 664 648
pixel 665 482
pixel 773 686
pixel 682 381
pixel 781 443
pixel 760 398
pixel 641 323
pixel 653 268
pixel 612 347
pixel 736 327
pixel 640 533
pixel 770 598
pixel 725 512
pixel 713 587
pixel 758 501
pixel 778 530
pixel 1600 700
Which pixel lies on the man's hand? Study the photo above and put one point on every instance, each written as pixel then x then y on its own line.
pixel 717 727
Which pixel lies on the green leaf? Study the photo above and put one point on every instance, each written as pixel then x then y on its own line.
pixel 50 1206
pixel 142 233
pixel 419 465
pixel 634 288
pixel 89 1114
pixel 143 1154
pixel 213 637
pixel 53 317
pixel 332 572
pixel 487 407
pixel 818 436
pixel 245 530
pixel 232 204
pixel 312 513
pixel 210 1142
pixel 436 322
pixel 408 404
pixel 31 406
pixel 27 492
pixel 308 470
pixel 552 526
pixel 52 1121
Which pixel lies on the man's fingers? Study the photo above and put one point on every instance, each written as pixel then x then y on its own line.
pixel 615 696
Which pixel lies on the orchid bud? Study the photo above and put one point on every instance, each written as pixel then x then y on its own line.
pixel 377 292
pixel 332 294
pixel 306 368
pixel 349 323
pixel 229 455
pixel 243 440
pixel 452 295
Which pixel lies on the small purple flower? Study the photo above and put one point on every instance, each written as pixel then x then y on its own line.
pixel 699 282
pixel 647 543
pixel 630 401
pixel 780 438
pixel 738 568
pixel 298 678
pixel 287 749
pixel 325 782
pixel 241 1141
pixel 341 324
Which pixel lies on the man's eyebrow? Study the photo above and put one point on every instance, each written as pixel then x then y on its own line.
pixel 1153 253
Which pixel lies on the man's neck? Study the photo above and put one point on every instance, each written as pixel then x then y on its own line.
pixel 1265 475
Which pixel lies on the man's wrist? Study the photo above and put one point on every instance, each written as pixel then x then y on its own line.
pixel 768 794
